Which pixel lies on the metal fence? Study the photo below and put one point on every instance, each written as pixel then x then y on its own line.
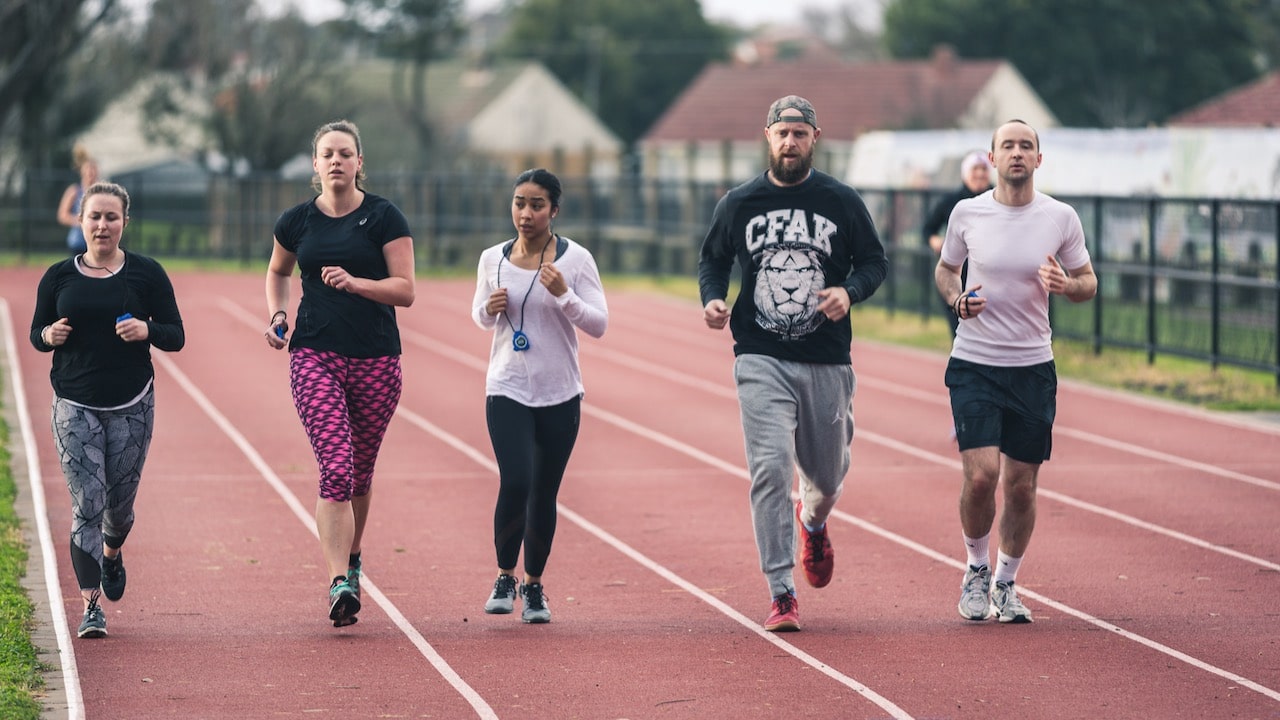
pixel 1191 277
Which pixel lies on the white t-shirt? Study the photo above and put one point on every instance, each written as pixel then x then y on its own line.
pixel 1005 246
pixel 547 373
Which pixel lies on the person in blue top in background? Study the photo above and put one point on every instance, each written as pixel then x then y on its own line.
pixel 69 206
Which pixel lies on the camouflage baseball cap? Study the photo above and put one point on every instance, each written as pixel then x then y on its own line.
pixel 792 102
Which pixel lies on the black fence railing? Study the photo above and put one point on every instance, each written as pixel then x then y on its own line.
pixel 1191 277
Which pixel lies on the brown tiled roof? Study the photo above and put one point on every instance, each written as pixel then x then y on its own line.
pixel 730 102
pixel 1252 105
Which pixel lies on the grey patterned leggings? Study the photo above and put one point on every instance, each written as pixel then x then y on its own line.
pixel 102 453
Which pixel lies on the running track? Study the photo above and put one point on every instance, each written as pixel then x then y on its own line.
pixel 1153 575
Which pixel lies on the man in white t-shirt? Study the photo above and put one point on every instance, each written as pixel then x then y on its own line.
pixel 1001 373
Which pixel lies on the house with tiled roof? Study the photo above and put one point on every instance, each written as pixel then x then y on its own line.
pixel 515 114
pixel 1256 104
pixel 510 114
pixel 714 131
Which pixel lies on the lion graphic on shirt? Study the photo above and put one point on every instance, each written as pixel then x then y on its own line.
pixel 787 286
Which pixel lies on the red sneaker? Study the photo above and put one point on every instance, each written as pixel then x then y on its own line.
pixel 816 555
pixel 784 614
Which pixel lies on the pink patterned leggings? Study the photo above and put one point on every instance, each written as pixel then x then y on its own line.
pixel 345 405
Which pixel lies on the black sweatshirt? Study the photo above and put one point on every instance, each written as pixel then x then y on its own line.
pixel 791 242
pixel 94 367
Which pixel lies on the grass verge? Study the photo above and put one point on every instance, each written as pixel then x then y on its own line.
pixel 21 682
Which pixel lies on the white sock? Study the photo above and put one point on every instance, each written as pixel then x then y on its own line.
pixel 1006 567
pixel 811 528
pixel 979 550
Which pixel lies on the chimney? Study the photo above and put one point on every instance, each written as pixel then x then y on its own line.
pixel 944 59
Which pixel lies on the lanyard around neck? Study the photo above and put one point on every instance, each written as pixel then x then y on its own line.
pixel 520 341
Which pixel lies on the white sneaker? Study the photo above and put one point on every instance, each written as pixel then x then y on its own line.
pixel 975 594
pixel 1008 607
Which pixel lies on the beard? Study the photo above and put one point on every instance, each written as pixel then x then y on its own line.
pixel 790 174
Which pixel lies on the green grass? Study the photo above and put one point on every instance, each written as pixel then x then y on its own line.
pixel 21 682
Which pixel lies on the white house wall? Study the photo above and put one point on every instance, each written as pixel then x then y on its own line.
pixel 705 162
pixel 1239 163
pixel 1006 95
pixel 117 140
pixel 536 113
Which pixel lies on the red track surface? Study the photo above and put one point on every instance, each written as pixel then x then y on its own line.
pixel 1153 573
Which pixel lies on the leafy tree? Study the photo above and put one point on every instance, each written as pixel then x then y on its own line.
pixel 1103 63
pixel 39 88
pixel 414 33
pixel 1265 16
pixel 254 87
pixel 200 39
pixel 841 28
pixel 627 60
pixel 264 113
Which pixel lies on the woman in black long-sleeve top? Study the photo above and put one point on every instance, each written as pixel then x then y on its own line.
pixel 99 313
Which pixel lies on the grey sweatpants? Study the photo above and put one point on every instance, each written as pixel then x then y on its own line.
pixel 102 453
pixel 795 417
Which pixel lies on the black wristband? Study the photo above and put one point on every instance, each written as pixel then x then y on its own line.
pixel 278 314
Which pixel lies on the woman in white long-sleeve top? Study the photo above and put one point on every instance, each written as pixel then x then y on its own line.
pixel 534 292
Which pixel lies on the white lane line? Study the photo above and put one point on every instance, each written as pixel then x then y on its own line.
pixel 35 480
pixel 741 472
pixel 949 462
pixel 692 331
pixel 753 626
pixel 477 703
pixel 1079 504
pixel 483 459
pixel 942 399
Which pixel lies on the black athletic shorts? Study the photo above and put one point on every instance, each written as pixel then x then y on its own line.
pixel 1009 407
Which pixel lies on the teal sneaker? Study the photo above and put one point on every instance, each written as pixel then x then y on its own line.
pixel 344 603
pixel 94 624
pixel 354 573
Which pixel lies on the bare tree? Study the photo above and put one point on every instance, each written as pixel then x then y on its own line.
pixel 255 87
pixel 37 39
pixel 413 33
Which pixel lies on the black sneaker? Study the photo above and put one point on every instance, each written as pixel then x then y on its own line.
pixel 344 603
pixel 113 577
pixel 535 604
pixel 94 624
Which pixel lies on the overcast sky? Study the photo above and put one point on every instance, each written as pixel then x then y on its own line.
pixel 740 12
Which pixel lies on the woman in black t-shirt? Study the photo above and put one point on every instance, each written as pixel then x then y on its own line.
pixel 355 255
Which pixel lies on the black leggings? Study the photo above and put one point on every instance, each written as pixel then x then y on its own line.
pixel 532 446
pixel 102 453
